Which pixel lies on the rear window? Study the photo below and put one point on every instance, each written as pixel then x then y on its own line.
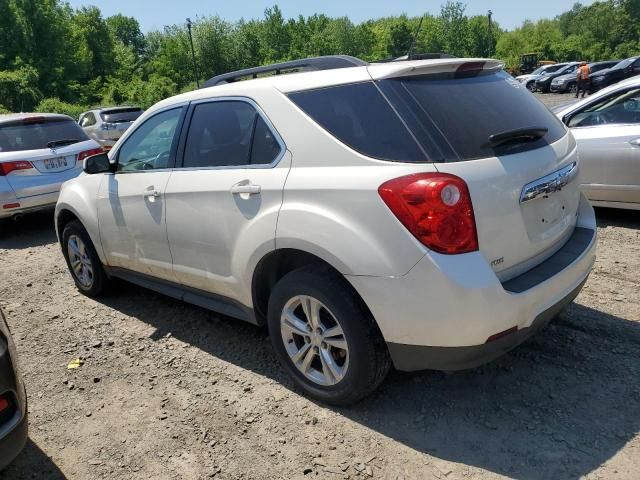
pixel 37 133
pixel 120 115
pixel 431 118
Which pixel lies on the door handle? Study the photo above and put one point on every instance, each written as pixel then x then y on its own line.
pixel 635 142
pixel 151 194
pixel 244 188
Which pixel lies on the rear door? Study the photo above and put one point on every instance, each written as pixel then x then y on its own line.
pixel 454 116
pixel 48 150
pixel 223 201
pixel 608 135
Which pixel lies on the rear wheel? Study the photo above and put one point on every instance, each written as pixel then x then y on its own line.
pixel 82 260
pixel 325 338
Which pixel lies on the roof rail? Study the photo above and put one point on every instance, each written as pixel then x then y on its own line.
pixel 327 62
pixel 417 56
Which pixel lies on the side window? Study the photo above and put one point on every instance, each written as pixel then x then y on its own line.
pixel 149 147
pixel 228 133
pixel 359 116
pixel 88 120
pixel 265 147
pixel 620 108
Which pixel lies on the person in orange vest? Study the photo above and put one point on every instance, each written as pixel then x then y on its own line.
pixel 582 79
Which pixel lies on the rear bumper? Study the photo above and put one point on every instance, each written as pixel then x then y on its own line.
pixel 14 430
pixel 26 204
pixel 442 314
pixel 14 441
pixel 416 357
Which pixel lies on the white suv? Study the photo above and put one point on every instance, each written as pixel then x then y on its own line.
pixel 422 214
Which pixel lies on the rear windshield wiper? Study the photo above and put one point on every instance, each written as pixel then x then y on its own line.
pixel 59 143
pixel 519 135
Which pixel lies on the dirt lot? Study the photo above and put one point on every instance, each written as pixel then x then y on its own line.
pixel 172 391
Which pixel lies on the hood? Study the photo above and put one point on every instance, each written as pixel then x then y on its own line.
pixel 558 108
pixel 565 77
pixel 600 73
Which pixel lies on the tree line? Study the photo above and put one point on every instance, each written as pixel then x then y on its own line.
pixel 56 58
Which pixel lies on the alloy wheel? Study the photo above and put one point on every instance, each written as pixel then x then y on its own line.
pixel 314 340
pixel 80 261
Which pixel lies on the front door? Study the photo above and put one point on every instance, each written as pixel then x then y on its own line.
pixel 608 136
pixel 131 204
pixel 223 200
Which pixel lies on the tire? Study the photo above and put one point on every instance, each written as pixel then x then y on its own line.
pixel 91 281
pixel 365 361
pixel 531 86
pixel 573 88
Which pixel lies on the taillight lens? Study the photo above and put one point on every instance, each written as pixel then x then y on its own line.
pixel 88 153
pixel 7 167
pixel 436 208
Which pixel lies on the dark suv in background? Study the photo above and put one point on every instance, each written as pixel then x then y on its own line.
pixel 543 84
pixel 569 81
pixel 624 69
pixel 13 400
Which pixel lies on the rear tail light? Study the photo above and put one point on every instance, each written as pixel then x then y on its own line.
pixel 436 208
pixel 7 167
pixel 4 404
pixel 88 153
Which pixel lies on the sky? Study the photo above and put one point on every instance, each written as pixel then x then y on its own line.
pixel 153 15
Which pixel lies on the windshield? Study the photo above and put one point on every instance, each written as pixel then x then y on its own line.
pixel 35 133
pixel 120 115
pixel 624 63
pixel 564 69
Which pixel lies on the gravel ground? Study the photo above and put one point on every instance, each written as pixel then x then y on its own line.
pixel 169 390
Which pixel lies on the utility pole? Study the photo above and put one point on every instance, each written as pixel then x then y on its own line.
pixel 193 54
pixel 490 49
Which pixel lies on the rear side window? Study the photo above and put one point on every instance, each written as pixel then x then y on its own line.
pixel 453 118
pixel 359 116
pixel 226 134
pixel 34 133
pixel 120 115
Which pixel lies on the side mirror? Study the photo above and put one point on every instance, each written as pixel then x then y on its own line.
pixel 97 164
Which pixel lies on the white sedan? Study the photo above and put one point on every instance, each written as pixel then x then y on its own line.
pixel 607 128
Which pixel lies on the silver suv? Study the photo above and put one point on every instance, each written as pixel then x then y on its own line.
pixel 425 214
pixel 106 125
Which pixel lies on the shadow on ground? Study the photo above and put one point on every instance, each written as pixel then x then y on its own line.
pixel 33 230
pixel 32 460
pixel 557 407
pixel 614 217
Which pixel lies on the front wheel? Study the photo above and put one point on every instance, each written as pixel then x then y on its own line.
pixel 83 261
pixel 325 338
pixel 573 88
pixel 531 86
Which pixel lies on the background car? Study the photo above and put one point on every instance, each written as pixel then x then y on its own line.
pixel 106 125
pixel 606 127
pixel 569 82
pixel 530 80
pixel 38 152
pixel 543 84
pixel 13 399
pixel 624 69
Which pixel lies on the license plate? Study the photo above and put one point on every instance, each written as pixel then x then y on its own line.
pixel 55 163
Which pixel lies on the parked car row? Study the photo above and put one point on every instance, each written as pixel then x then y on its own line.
pixel 561 77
